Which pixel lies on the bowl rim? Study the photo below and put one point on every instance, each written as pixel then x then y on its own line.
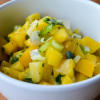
pixel 50 88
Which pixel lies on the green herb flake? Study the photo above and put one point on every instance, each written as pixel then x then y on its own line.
pixel 58 78
pixel 2 49
pixel 29 80
pixel 76 43
pixel 15 59
pixel 7 38
pixel 12 43
pixel 29 25
pixel 43 65
pixel 24 28
pixel 20 55
pixel 7 73
pixel 11 54
pixel 40 45
pixel 23 51
pixel 27 37
pixel 52 73
pixel 37 25
pixel 39 73
pixel 70 55
pixel 39 50
pixel 59 27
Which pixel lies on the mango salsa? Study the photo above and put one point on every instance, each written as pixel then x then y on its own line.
pixel 44 51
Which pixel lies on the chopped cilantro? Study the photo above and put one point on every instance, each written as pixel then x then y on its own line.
pixel 7 38
pixel 11 54
pixel 70 55
pixel 29 25
pixel 76 43
pixel 2 49
pixel 40 45
pixel 23 51
pixel 14 60
pixel 37 25
pixel 39 73
pixel 59 27
pixel 58 78
pixel 29 80
pixel 52 73
pixel 27 37
pixel 7 73
pixel 24 28
pixel 43 65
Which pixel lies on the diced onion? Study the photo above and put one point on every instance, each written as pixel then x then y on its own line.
pixel 57 45
pixel 35 55
pixel 44 46
pixel 17 27
pixel 86 48
pixel 76 36
pixel 77 58
pixel 66 23
pixel 42 40
pixel 34 37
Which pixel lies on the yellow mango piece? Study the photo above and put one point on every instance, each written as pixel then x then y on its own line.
pixel 85 67
pixel 27 70
pixel 5 64
pixel 65 67
pixel 55 29
pixel 47 72
pixel 24 27
pixel 91 58
pixel 22 76
pixel 2 41
pixel 66 80
pixel 11 72
pixel 17 66
pixel 98 59
pixel 28 43
pixel 78 51
pixel 80 77
pixel 3 56
pixel 18 38
pixel 10 59
pixel 9 47
pixel 79 41
pixel 42 24
pixel 32 17
pixel 97 69
pixel 51 80
pixel 36 70
pixel 69 46
pixel 44 83
pixel 93 45
pixel 51 39
pixel 61 35
pixel 53 56
pixel 69 32
pixel 25 59
pixel 76 31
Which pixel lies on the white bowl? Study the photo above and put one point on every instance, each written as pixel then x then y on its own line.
pixel 84 15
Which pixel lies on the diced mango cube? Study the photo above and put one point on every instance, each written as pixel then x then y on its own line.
pixel 93 45
pixel 79 41
pixel 66 80
pixel 32 17
pixel 78 51
pixel 61 35
pixel 47 72
pixel 80 77
pixel 5 64
pixel 17 66
pixel 36 70
pixel 24 27
pixel 98 59
pixel 28 43
pixel 9 48
pixel 85 67
pixel 53 56
pixel 69 46
pixel 22 76
pixel 91 58
pixel 11 72
pixel 65 67
pixel 97 69
pixel 18 38
pixel 25 59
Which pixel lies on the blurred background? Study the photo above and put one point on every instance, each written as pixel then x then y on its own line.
pixel 3 1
